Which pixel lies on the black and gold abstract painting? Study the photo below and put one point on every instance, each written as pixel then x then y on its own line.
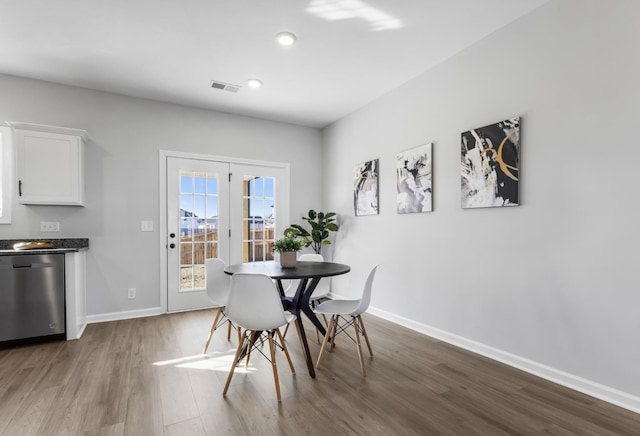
pixel 490 169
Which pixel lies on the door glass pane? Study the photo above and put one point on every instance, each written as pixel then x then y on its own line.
pixel 199 183
pixel 258 218
pixel 198 226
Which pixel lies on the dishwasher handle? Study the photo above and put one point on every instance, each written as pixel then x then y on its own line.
pixel 33 265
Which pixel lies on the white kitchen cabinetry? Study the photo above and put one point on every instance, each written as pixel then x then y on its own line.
pixel 50 164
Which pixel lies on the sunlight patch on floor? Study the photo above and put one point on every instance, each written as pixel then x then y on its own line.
pixel 217 361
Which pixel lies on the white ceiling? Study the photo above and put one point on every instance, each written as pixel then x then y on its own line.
pixel 348 53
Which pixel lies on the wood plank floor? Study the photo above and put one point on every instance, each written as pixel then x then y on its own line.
pixel 147 377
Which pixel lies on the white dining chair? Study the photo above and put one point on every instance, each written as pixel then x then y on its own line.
pixel 344 313
pixel 218 284
pixel 255 306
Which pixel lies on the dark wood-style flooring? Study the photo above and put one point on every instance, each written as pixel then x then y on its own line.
pixel 147 377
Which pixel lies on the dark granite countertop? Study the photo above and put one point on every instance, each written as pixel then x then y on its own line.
pixel 62 245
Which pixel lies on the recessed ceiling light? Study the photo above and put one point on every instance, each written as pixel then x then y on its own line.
pixel 254 83
pixel 285 38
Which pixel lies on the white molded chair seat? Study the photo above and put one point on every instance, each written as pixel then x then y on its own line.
pixel 255 306
pixel 218 285
pixel 349 311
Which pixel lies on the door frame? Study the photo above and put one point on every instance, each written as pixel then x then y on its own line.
pixel 162 226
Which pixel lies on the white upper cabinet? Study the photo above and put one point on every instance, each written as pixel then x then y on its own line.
pixel 50 164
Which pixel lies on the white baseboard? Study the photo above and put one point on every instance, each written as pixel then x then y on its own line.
pixel 81 330
pixel 115 316
pixel 596 390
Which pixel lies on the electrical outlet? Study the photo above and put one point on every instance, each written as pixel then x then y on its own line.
pixel 131 293
pixel 49 226
pixel 146 226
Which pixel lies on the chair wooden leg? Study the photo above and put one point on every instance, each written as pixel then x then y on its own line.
pixel 364 333
pixel 272 349
pixel 314 303
pixel 335 332
pixel 325 323
pixel 286 350
pixel 286 329
pixel 233 367
pixel 213 329
pixel 251 343
pixel 229 330
pixel 360 356
pixel 326 339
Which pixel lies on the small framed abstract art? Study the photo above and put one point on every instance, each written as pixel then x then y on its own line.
pixel 365 188
pixel 490 167
pixel 413 169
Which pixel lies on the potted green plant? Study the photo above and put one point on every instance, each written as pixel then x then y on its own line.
pixel 321 224
pixel 288 246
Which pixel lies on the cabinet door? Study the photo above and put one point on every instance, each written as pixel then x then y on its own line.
pixel 50 168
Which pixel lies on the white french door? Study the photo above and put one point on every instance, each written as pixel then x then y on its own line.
pixel 197 224
pixel 218 209
pixel 257 192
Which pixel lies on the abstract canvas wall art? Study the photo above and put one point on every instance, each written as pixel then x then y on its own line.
pixel 413 169
pixel 491 165
pixel 365 189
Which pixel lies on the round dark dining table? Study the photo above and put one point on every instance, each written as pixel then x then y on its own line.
pixel 309 274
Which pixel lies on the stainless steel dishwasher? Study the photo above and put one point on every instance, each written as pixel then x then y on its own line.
pixel 32 301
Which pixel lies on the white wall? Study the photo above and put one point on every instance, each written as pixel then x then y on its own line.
pixel 552 285
pixel 122 188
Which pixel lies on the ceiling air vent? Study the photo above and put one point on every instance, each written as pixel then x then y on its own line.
pixel 216 84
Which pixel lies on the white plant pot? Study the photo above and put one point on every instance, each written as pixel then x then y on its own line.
pixel 288 259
